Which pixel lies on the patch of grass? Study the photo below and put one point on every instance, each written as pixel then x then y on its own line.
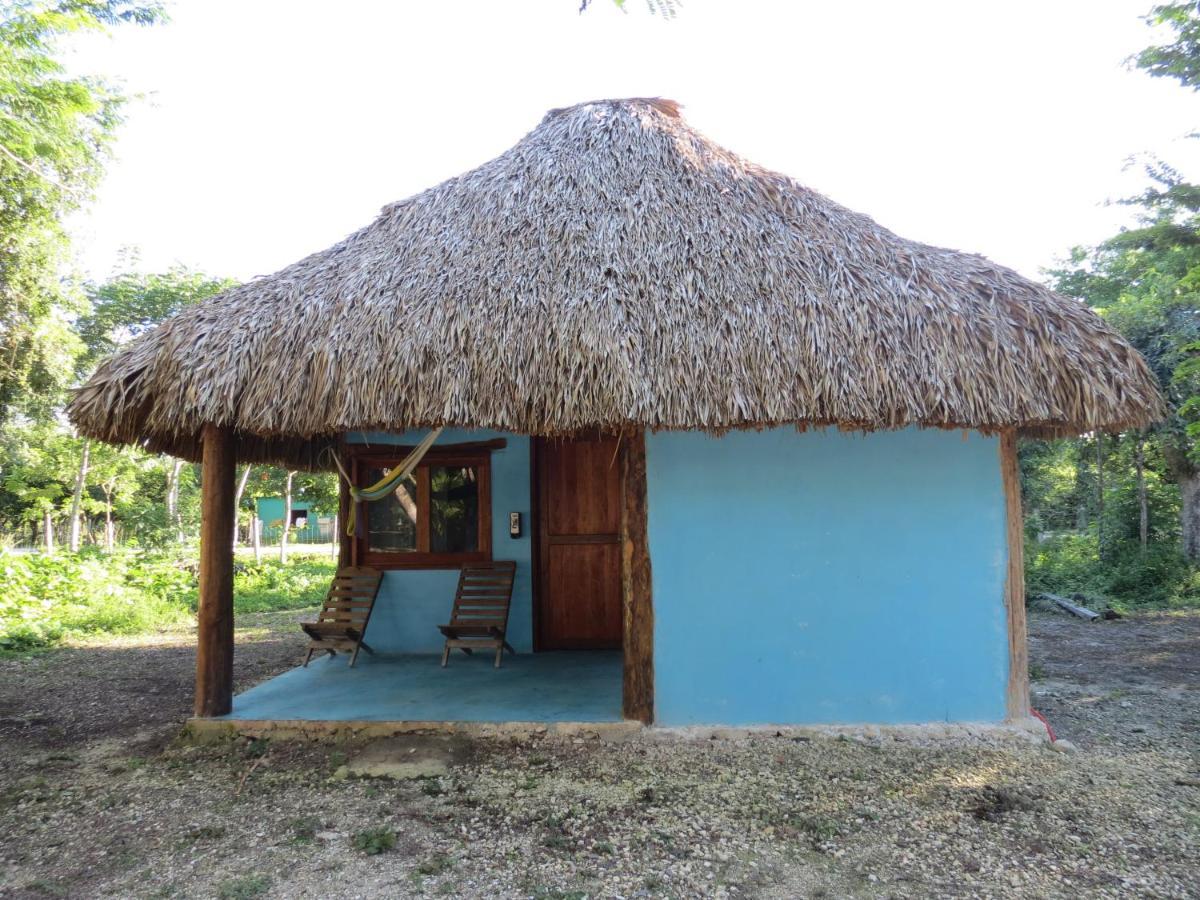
pixel 431 786
pixel 256 747
pixel 247 887
pixel 304 829
pixel 1036 672
pixel 46 598
pixel 373 841
pixel 996 803
pixel 557 840
pixel 604 848
pixel 205 833
pixel 435 865
pixel 47 888
pixel 553 893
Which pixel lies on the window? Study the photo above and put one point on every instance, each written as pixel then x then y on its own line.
pixel 438 517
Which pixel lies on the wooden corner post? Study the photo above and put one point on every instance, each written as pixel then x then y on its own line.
pixel 637 602
pixel 214 621
pixel 1014 581
pixel 345 549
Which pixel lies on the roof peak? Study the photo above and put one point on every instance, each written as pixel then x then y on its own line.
pixel 663 105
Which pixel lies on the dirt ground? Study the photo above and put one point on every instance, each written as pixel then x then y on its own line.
pixel 99 797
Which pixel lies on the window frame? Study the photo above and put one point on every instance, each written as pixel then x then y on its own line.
pixel 422 558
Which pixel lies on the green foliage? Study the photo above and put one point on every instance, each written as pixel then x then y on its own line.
pixel 131 304
pixel 246 887
pixel 55 130
pixel 270 585
pixel 45 598
pixel 1179 59
pixel 373 841
pixel 1130 578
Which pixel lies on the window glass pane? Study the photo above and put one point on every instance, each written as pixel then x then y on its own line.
pixel 392 521
pixel 453 509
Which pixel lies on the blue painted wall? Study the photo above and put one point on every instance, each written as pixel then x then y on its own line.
pixel 412 603
pixel 827 577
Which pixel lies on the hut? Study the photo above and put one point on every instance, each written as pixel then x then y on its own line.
pixel 753 454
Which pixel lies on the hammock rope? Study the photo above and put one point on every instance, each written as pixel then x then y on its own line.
pixel 385 485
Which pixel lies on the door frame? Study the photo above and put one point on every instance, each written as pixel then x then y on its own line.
pixel 637 603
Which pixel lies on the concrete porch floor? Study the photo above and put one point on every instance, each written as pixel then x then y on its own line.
pixel 529 687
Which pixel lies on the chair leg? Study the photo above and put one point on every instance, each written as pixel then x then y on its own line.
pixel 499 653
pixel 466 650
pixel 509 648
pixel 354 655
pixel 445 654
pixel 366 647
pixel 307 657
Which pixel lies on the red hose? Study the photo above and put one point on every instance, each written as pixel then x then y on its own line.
pixel 1049 730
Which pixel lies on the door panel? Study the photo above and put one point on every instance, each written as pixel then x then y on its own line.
pixel 584 581
pixel 579 515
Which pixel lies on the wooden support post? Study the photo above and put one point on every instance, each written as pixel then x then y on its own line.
pixel 1014 582
pixel 637 602
pixel 342 520
pixel 214 621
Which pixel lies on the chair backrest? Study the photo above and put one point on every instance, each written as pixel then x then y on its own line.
pixel 351 597
pixel 484 594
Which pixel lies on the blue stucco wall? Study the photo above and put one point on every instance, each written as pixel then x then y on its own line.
pixel 827 577
pixel 412 603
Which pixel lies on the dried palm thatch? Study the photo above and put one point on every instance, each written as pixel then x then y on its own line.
pixel 616 269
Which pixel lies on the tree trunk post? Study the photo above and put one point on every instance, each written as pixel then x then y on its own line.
pixel 256 536
pixel 1014 582
pixel 48 530
pixel 214 653
pixel 340 522
pixel 287 518
pixel 237 501
pixel 77 496
pixel 1139 460
pixel 637 687
pixel 1100 548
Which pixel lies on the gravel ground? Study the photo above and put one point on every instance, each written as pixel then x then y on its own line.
pixel 99 798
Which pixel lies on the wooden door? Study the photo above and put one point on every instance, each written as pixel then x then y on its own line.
pixel 579 544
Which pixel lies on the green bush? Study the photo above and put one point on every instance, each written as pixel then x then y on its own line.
pixel 1159 577
pixel 46 598
pixel 271 585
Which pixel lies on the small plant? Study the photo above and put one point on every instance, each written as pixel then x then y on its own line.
pixel 435 865
pixel 304 830
pixel 604 848
pixel 373 841
pixel 432 787
pixel 206 833
pixel 245 888
pixel 556 840
pixel 255 748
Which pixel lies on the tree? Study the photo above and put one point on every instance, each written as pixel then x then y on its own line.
pixel 55 130
pixel 1179 59
pixel 1146 282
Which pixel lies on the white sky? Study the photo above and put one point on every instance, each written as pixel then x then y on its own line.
pixel 271 128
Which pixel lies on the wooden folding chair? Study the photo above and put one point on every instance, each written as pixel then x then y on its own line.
pixel 480 615
pixel 347 609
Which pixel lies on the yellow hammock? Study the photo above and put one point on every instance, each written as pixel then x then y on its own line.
pixel 388 483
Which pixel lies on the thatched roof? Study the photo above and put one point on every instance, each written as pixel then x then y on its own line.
pixel 617 269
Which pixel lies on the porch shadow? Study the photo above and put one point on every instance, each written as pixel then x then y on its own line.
pixel 530 687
